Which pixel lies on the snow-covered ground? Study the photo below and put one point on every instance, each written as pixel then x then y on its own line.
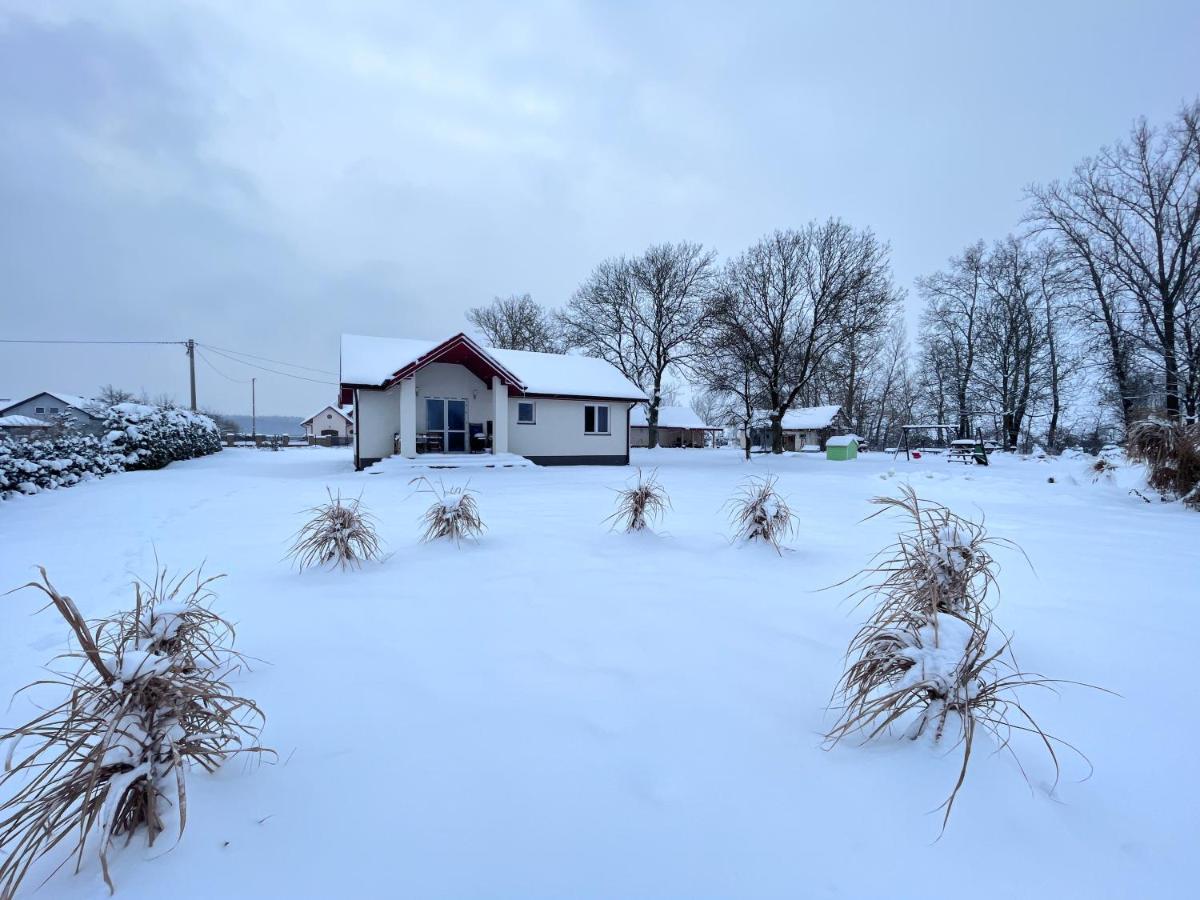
pixel 560 711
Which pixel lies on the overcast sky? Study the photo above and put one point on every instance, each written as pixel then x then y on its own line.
pixel 263 176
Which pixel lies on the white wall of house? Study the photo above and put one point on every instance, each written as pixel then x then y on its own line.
pixel 558 429
pixel 378 418
pixel 452 382
pixel 329 419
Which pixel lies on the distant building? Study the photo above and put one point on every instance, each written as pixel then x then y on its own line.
pixel 678 426
pixel 22 426
pixel 53 407
pixel 331 421
pixel 806 427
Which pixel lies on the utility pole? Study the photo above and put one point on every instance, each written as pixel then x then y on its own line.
pixel 253 412
pixel 191 352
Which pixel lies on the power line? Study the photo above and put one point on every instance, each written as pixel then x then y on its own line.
pixel 268 359
pixel 20 341
pixel 265 369
pixel 208 362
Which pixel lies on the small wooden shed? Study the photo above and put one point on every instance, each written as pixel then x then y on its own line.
pixel 841 447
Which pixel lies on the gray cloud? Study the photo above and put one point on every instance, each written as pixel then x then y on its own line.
pixel 263 176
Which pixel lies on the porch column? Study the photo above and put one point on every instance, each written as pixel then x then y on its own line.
pixel 499 415
pixel 408 417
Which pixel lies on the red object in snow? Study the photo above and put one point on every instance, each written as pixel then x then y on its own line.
pixel 916 454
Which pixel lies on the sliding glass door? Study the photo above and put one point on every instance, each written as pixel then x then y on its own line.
pixel 445 425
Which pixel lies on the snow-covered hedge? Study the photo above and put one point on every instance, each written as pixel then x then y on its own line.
pixel 29 466
pixel 149 437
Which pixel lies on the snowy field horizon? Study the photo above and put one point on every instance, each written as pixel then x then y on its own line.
pixel 561 710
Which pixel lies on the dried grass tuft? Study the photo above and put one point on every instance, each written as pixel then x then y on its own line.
pixel 640 504
pixel 922 663
pixel 146 699
pixel 340 532
pixel 1171 452
pixel 758 513
pixel 1102 469
pixel 454 514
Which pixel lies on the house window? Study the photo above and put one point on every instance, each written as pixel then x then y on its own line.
pixel 525 413
pixel 54 409
pixel 595 419
pixel 39 409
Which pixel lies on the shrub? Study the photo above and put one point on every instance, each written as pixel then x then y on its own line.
pixel 1171 452
pixel 640 504
pixel 758 513
pixel 150 437
pixel 340 533
pixel 923 662
pixel 146 699
pixel 33 465
pixel 453 515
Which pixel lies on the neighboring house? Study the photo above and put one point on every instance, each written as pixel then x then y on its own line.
pixel 22 426
pixel 808 426
pixel 678 426
pixel 455 396
pixel 332 421
pixel 82 413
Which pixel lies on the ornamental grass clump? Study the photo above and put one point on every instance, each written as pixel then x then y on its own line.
pixel 759 513
pixel 145 699
pixel 453 515
pixel 640 504
pixel 340 533
pixel 929 661
pixel 1171 452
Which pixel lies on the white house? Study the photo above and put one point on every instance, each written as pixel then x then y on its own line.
pixel 82 413
pixel 331 421
pixel 455 396
pixel 678 426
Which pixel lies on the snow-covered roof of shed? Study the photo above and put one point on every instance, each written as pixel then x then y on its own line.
pixel 670 417
pixel 810 418
pixel 841 440
pixel 22 422
pixel 374 360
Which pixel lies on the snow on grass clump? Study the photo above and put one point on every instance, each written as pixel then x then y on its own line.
pixel 340 532
pixel 759 513
pixel 146 699
pixel 640 504
pixel 453 515
pixel 1171 452
pixel 923 662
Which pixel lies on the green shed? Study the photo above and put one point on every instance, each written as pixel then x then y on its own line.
pixel 841 447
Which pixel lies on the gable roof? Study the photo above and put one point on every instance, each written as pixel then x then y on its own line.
pixel 85 405
pixel 380 362
pixel 670 417
pixel 341 411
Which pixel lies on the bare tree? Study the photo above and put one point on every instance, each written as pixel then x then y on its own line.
pixel 793 299
pixel 644 315
pixel 1134 212
pixel 950 327
pixel 111 395
pixel 516 322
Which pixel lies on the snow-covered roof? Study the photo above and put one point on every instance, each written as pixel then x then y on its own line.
pixel 841 440
pixel 374 360
pixel 340 410
pixel 809 418
pixel 670 417
pixel 22 422
pixel 93 408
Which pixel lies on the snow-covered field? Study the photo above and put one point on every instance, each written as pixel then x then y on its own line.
pixel 560 711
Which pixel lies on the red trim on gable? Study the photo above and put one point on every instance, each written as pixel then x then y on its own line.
pixel 461 350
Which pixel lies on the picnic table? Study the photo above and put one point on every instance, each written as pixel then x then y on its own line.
pixel 966 450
